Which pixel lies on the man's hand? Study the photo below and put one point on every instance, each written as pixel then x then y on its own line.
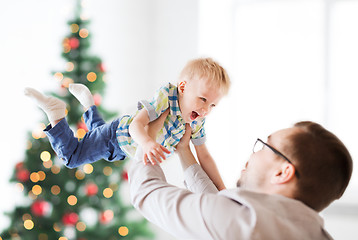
pixel 184 141
pixel 183 149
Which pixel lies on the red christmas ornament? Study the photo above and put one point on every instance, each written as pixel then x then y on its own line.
pixel 82 125
pixel 74 43
pixel 125 175
pixel 70 219
pixel 22 175
pixel 106 216
pixel 41 208
pixel 97 99
pixel 101 67
pixel 91 189
pixel 19 166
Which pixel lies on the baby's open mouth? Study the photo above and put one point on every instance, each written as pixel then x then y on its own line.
pixel 194 115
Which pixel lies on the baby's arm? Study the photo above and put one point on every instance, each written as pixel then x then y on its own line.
pixel 151 149
pixel 207 163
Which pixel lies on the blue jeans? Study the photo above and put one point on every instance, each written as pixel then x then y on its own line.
pixel 100 141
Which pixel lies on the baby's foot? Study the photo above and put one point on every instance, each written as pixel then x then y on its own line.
pixel 83 94
pixel 54 108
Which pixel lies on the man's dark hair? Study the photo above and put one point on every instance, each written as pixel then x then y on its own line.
pixel 324 164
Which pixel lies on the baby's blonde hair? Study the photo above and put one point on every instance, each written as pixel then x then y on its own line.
pixel 209 69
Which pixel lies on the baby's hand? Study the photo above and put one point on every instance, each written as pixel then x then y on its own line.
pixel 153 152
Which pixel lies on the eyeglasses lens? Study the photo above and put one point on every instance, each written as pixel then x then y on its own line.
pixel 258 146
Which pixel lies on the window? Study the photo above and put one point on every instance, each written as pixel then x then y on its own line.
pixel 298 57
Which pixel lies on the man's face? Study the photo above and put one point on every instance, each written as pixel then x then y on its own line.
pixel 262 165
pixel 197 98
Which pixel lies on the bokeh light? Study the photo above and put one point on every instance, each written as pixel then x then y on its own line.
pixel 70 66
pixel 81 226
pixel 88 168
pixel 45 156
pixel 47 164
pixel 107 171
pixel 28 145
pixel 43 236
pixel 55 169
pixel 37 190
pixel 80 174
pixel 42 175
pixel 66 45
pixel 80 133
pixel 83 33
pixel 26 216
pixel 38 132
pixel 20 186
pixel 29 224
pixel 66 82
pixel 32 195
pixel 58 76
pixel 108 215
pixel 34 177
pixel 55 190
pixel 56 227
pixel 107 193
pixel 72 200
pixel 74 28
pixel 123 231
pixel 113 186
pixel 91 77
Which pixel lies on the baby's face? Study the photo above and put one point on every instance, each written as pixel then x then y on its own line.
pixel 197 98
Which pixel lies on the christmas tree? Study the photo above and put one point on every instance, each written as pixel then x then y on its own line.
pixel 82 203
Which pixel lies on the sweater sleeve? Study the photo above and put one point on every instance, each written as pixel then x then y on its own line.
pixel 180 212
pixel 197 181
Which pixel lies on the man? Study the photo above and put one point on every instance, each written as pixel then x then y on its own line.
pixel 287 181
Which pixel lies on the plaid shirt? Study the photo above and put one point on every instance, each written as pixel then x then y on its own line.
pixel 174 125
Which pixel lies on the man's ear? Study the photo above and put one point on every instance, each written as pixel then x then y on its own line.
pixel 283 174
pixel 181 86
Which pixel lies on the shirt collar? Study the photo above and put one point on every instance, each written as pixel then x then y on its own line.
pixel 173 101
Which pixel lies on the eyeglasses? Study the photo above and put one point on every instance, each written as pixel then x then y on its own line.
pixel 259 145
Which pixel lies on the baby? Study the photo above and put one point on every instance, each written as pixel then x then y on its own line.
pixel 202 83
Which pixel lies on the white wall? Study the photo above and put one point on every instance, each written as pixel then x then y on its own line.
pixel 289 61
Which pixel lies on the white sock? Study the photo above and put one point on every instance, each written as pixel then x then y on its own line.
pixel 82 93
pixel 54 108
